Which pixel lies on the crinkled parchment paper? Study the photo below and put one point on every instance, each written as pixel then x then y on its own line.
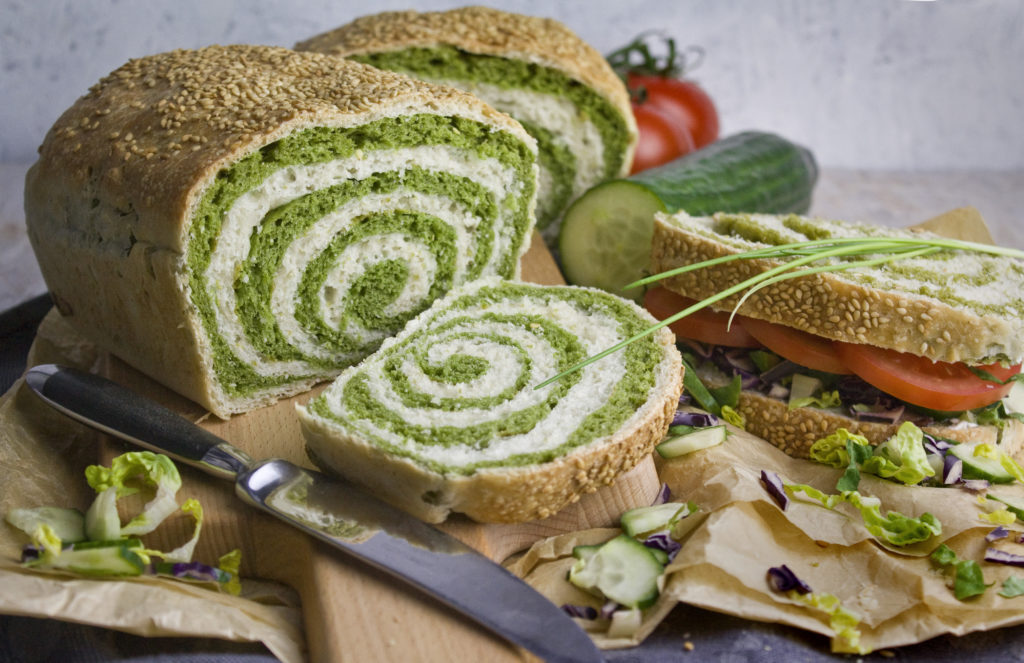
pixel 42 462
pixel 900 598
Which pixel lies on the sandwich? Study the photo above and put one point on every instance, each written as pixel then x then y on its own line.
pixel 242 222
pixel 875 335
pixel 447 416
pixel 535 69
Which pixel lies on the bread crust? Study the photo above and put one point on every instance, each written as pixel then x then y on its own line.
pixel 484 31
pixel 504 495
pixel 795 430
pixel 109 202
pixel 829 306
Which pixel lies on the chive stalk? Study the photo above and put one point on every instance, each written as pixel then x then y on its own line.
pixel 886 249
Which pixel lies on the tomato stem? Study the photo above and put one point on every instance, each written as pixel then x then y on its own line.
pixel 637 58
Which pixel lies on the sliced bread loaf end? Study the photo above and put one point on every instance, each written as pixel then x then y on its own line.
pixel 445 416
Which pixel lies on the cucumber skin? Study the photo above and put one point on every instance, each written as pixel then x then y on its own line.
pixel 747 172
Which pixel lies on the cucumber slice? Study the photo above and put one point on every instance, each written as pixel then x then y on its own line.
pixel 99 558
pixel 980 467
pixel 585 552
pixel 605 238
pixel 1014 505
pixel 622 570
pixel 699 438
pixel 644 519
pixel 67 524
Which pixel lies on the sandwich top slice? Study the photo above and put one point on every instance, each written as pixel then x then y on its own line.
pixel 535 69
pixel 933 337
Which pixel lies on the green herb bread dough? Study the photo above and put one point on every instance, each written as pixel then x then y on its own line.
pixel 536 70
pixel 445 415
pixel 243 222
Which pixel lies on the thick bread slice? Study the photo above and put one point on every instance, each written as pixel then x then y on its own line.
pixel 241 222
pixel 951 306
pixel 535 69
pixel 445 416
pixel 795 430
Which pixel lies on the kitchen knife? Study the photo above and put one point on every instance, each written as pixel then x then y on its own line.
pixel 331 510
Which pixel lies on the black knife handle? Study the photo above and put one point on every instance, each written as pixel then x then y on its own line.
pixel 118 411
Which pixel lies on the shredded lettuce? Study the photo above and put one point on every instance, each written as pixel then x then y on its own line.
pixel 96 544
pixel 824 400
pixel 832 450
pixel 843 621
pixel 184 552
pixel 231 563
pixel 902 457
pixel 130 472
pixel 843 449
pixel 102 522
pixel 44 538
pixel 1013 586
pixel 893 528
pixel 733 417
pixel 999 517
pixel 968 580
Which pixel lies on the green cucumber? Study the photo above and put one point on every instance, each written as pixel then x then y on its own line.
pixel 605 238
pixel 645 519
pixel 980 467
pixel 697 439
pixel 622 570
pixel 99 558
pixel 1014 505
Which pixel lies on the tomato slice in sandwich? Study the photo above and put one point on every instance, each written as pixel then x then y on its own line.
pixel 931 384
pixel 808 350
pixel 706 325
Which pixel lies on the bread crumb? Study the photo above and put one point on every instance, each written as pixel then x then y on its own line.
pixel 688 646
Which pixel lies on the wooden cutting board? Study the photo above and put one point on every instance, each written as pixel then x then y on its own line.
pixel 353 612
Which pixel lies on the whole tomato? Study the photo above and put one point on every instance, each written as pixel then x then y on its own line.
pixel 662 138
pixel 656 88
pixel 685 102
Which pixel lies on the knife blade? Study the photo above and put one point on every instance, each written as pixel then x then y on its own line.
pixel 331 510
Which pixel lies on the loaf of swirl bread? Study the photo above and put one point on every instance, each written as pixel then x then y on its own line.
pixel 445 416
pixel 242 222
pixel 535 69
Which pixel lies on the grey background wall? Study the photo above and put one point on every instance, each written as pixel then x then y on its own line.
pixel 875 84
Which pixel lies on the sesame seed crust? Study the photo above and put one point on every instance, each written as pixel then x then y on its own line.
pixel 484 31
pixel 795 430
pixel 831 306
pixel 148 136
